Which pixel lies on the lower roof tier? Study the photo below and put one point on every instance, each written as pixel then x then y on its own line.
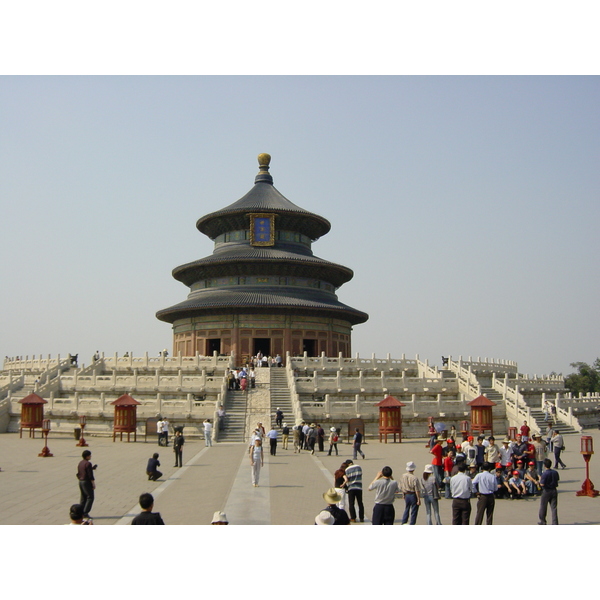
pixel 213 301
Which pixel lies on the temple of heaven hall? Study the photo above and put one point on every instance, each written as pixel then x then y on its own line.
pixel 262 289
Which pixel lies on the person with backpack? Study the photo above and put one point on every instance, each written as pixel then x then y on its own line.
pixel 285 434
pixel 339 514
pixel 333 440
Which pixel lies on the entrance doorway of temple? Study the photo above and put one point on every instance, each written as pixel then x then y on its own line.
pixel 262 345
pixel 213 345
pixel 310 347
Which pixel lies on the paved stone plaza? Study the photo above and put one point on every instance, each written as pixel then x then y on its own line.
pixel 39 491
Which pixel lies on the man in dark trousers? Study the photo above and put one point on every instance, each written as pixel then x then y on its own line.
pixel 485 486
pixel 147 517
pixel 357 443
pixel 549 484
pixel 151 469
pixel 461 488
pixel 87 484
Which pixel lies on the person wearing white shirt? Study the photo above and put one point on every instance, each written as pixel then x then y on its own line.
pixel 166 431
pixel 159 431
pixel 207 432
pixel 461 488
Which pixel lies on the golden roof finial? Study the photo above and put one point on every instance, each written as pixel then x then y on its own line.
pixel 263 174
pixel 264 160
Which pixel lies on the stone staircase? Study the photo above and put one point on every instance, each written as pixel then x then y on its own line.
pixel 538 416
pixel 492 394
pixel 236 406
pixel 281 397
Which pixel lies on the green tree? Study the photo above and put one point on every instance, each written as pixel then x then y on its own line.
pixel 586 379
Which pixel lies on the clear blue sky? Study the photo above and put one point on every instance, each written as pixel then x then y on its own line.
pixel 468 207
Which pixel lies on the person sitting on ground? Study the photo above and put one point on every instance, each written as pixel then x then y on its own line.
pixel 516 485
pixel 147 517
pixel 532 480
pixel 76 516
pixel 521 468
pixel 151 469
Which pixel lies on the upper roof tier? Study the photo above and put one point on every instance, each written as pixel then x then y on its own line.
pixel 263 197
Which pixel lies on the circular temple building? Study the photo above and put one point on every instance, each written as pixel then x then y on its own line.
pixel 262 289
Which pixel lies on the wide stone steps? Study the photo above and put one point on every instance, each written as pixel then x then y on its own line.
pixel 235 417
pixel 280 396
pixel 562 428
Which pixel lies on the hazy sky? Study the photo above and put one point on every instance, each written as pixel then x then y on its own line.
pixel 468 207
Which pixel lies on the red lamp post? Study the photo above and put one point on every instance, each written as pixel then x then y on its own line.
pixel 512 433
pixel 45 431
pixel 464 429
pixel 587 449
pixel 82 441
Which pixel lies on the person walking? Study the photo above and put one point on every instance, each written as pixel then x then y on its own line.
pixel 272 435
pixel 152 468
pixel 312 437
pixel 178 442
pixel 549 484
pixel 354 489
pixel 278 417
pixel 87 482
pixel 221 416
pixel 558 445
pixel 485 486
pixel 208 427
pixel 540 452
pixel 357 441
pixel 461 488
pixel 411 488
pixel 431 494
pixel 256 460
pixel 333 440
pixel 285 435
pixel 320 438
pixel 297 432
pixel 385 492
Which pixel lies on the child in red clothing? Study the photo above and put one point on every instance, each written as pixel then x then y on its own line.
pixel 448 466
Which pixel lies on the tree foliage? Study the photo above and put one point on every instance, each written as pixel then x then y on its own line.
pixel 586 379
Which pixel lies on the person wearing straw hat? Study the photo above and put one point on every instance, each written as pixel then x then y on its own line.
pixel 411 488
pixel 339 514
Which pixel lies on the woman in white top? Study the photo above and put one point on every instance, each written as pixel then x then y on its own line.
pixel 256 460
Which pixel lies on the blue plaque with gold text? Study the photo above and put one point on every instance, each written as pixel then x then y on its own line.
pixel 262 229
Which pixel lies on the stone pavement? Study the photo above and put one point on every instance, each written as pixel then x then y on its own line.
pixel 35 490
